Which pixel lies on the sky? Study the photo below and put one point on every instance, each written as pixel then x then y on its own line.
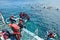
pixel 53 3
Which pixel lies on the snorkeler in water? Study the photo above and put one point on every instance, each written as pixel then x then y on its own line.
pixel 50 36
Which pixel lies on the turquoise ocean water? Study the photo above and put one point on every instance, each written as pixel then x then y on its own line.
pixel 41 18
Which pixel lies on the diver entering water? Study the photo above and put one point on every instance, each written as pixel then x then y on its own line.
pixel 26 15
pixel 15 29
pixel 23 15
pixel 12 19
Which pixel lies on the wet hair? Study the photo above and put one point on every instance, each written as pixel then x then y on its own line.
pixel 12 16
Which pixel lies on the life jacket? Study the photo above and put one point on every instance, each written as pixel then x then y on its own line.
pixel 14 27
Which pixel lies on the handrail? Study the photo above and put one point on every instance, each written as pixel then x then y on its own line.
pixel 2 19
pixel 32 34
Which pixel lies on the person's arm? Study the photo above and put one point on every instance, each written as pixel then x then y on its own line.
pixel 14 20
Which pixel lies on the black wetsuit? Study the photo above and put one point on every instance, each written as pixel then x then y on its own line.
pixel 21 26
pixel 12 20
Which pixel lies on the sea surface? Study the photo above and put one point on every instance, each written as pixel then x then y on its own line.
pixel 43 19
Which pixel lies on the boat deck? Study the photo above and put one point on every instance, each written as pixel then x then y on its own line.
pixel 26 34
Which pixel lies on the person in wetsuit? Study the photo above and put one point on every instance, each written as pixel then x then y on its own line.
pixel 24 15
pixel 20 24
pixel 12 19
pixel 15 29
